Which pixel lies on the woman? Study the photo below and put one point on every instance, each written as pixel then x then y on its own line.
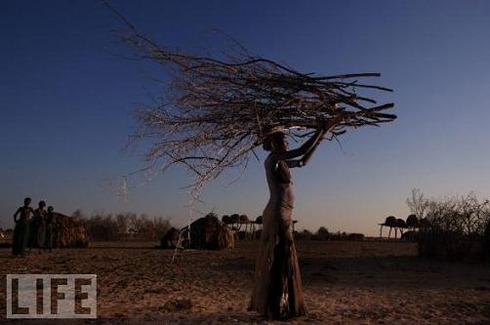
pixel 277 291
pixel 50 224
pixel 21 231
pixel 39 229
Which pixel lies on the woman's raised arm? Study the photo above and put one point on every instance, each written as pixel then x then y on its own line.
pixel 305 151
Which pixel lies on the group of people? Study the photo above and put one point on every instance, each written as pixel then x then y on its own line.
pixel 33 228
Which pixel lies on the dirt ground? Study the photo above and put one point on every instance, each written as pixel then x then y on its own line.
pixel 371 282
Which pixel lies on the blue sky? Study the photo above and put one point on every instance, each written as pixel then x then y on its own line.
pixel 67 95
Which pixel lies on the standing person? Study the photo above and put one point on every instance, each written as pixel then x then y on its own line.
pixel 278 291
pixel 50 224
pixel 21 231
pixel 39 225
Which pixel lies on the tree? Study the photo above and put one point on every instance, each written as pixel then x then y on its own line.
pixel 418 203
pixel 323 233
pixel 216 112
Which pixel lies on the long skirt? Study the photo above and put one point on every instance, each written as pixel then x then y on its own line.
pixel 21 238
pixel 49 237
pixel 41 235
pixel 277 291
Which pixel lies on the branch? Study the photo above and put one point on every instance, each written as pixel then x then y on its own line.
pixel 216 111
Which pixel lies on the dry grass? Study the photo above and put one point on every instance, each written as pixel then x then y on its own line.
pixel 345 283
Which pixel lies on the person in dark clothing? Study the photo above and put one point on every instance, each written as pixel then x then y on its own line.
pixel 21 231
pixel 50 225
pixel 39 226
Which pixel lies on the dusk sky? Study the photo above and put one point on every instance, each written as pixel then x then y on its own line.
pixel 67 95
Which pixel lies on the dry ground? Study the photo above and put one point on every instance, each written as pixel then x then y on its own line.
pixel 345 283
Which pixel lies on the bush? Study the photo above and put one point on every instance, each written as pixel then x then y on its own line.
pixel 486 242
pixel 456 228
pixel 303 235
pixel 321 234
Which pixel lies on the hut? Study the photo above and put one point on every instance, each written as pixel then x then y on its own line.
pixel 170 239
pixel 210 233
pixel 389 222
pixel 69 232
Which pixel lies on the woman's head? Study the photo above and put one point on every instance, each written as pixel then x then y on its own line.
pixel 275 142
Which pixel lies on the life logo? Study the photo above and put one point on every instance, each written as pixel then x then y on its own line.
pixel 51 296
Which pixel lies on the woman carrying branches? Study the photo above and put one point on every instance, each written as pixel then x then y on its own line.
pixel 277 292
pixel 211 118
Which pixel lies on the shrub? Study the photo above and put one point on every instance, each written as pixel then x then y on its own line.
pixel 321 234
pixel 302 235
pixel 486 242
pixel 456 227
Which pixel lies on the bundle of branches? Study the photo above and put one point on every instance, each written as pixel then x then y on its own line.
pixel 216 112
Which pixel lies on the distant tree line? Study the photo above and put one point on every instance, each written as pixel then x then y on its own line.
pixel 323 234
pixel 123 226
pixel 131 226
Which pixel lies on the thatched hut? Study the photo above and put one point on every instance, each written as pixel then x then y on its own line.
pixel 69 232
pixel 389 222
pixel 170 239
pixel 210 233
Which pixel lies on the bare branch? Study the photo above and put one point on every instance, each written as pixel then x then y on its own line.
pixel 217 111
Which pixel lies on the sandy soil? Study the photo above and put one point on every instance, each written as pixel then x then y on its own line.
pixel 344 283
